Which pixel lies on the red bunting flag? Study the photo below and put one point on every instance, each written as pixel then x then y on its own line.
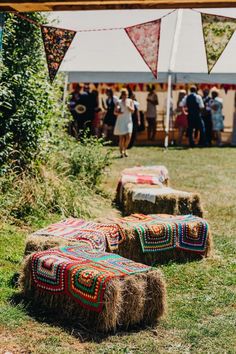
pixel 146 39
pixel 56 43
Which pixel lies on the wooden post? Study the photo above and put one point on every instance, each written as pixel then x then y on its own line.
pixel 70 5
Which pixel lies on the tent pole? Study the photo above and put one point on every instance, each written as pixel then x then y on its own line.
pixel 64 95
pixel 168 111
pixel 171 70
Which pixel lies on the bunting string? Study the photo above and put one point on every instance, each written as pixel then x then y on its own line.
pixel 92 29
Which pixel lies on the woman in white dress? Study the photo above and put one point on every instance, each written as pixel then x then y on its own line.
pixel 124 124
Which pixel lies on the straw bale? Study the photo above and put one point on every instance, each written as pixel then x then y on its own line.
pixel 176 203
pixel 130 300
pixel 131 248
pixel 42 243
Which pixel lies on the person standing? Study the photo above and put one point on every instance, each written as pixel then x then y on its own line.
pixel 152 103
pixel 110 116
pixel 217 116
pixel 124 124
pixel 78 109
pixel 181 121
pixel 92 105
pixel 194 104
pixel 135 119
pixel 206 116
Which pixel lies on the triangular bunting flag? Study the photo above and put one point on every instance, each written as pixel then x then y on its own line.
pixel 56 43
pixel 217 31
pixel 1 28
pixel 146 38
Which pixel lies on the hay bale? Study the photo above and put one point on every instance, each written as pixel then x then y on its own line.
pixel 153 230
pixel 138 298
pixel 155 200
pixel 73 231
pixel 150 175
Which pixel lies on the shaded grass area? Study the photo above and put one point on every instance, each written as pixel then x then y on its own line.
pixel 201 295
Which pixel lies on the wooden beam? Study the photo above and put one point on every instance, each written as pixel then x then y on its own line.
pixel 68 5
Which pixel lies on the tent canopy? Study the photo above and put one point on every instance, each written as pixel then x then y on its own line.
pixel 109 56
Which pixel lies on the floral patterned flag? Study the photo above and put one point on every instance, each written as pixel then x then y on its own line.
pixel 56 43
pixel 1 28
pixel 146 38
pixel 217 31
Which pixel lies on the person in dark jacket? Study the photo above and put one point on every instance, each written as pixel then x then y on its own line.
pixel 110 116
pixel 192 105
pixel 78 107
pixel 135 119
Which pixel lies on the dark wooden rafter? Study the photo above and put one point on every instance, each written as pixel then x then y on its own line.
pixel 69 5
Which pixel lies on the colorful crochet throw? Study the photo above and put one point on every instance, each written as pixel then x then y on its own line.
pixel 145 175
pixel 151 175
pixel 159 232
pixel 81 274
pixel 97 235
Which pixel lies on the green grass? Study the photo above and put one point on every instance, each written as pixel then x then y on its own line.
pixel 201 295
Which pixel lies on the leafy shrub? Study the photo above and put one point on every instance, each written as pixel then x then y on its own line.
pixel 86 159
pixel 26 97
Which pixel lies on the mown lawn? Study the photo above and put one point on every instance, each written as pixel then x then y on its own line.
pixel 201 295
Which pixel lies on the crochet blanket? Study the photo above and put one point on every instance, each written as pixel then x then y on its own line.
pixel 159 174
pixel 159 232
pixel 81 274
pixel 152 175
pixel 95 234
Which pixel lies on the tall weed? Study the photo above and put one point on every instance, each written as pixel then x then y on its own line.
pixel 66 184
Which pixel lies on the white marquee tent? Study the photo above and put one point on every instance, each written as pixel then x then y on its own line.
pixel 109 56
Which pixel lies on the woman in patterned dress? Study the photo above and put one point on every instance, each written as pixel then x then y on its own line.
pixel 216 115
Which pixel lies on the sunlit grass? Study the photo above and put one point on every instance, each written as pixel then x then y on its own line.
pixel 201 295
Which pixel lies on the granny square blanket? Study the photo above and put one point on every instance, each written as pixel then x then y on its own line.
pixel 95 234
pixel 81 274
pixel 159 232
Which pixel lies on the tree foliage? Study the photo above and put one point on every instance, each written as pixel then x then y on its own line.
pixel 25 93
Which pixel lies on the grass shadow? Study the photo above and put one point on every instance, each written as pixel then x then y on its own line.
pixel 76 329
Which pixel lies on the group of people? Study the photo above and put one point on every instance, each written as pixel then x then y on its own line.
pixel 84 107
pixel 200 114
pixel 121 117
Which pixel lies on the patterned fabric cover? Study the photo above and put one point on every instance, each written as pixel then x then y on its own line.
pixel 152 175
pixel 159 232
pixel 145 175
pixel 146 38
pixel 93 233
pixel 80 274
pixel 56 43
